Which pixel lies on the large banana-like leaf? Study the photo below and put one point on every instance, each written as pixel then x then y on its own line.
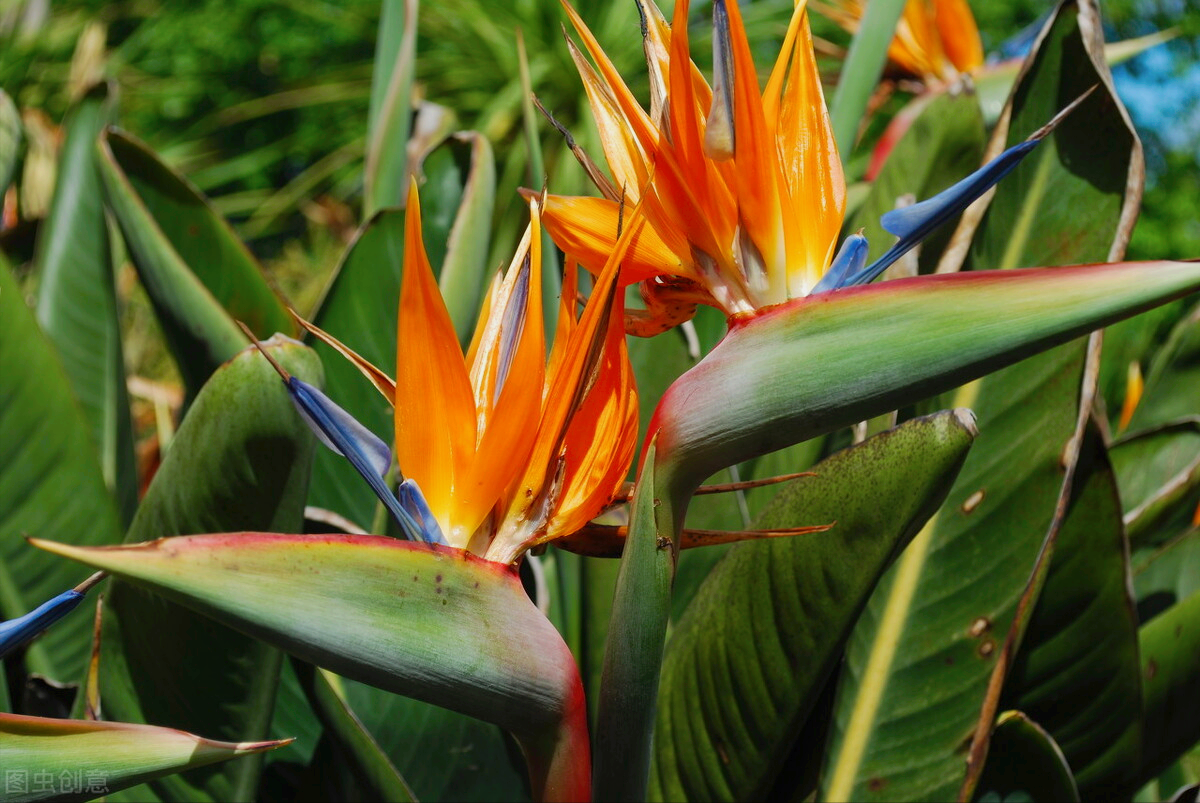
pixel 77 305
pixel 1171 383
pixel 748 658
pixel 1158 470
pixel 50 485
pixel 1077 672
pixel 10 139
pixel 1025 764
pixel 390 110
pixel 1170 648
pixel 861 70
pixel 429 622
pixel 240 460
pixel 66 759
pixel 199 276
pixel 920 661
pixel 1164 576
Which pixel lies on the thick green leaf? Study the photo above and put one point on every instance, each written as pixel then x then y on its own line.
pixel 747 660
pixel 1077 672
pixel 458 631
pixel 389 116
pixel 943 145
pixel 1158 471
pixel 1171 382
pixel 10 139
pixel 919 663
pixel 861 70
pixel 1164 576
pixel 200 236
pixel 377 774
pixel 198 330
pixel 456 757
pixel 67 759
pixel 360 308
pixel 1025 763
pixel 634 647
pixel 50 485
pixel 1170 648
pixel 77 305
pixel 240 460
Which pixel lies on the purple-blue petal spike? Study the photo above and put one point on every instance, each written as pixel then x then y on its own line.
pixel 412 500
pixel 912 224
pixel 512 326
pixel 848 262
pixel 367 453
pixel 16 632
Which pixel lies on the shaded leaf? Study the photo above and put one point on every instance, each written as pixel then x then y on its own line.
pixel 50 485
pixel 1170 649
pixel 65 759
pixel 748 658
pixel 224 471
pixel 1076 673
pixel 1158 471
pixel 1025 762
pixel 77 305
pixel 921 658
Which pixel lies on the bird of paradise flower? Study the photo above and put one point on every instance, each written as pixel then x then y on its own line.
pixel 742 192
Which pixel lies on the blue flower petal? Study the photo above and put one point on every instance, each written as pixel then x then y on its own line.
pixel 17 632
pixel 848 262
pixel 370 456
pixel 912 224
pixel 412 500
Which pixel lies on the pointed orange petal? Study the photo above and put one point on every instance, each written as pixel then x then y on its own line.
pixel 959 34
pixel 761 213
pixel 639 121
pixel 576 373
pixel 600 440
pixel 779 72
pixel 625 153
pixel 811 167
pixel 505 441
pixel 586 229
pixel 382 382
pixel 435 409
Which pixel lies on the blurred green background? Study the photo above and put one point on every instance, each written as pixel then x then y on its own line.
pixel 261 103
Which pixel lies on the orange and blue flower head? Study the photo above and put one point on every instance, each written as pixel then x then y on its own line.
pixel 501 448
pixel 741 191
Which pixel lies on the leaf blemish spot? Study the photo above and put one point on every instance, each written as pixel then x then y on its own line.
pixel 986 648
pixel 972 501
pixel 876 784
pixel 1151 669
pixel 980 626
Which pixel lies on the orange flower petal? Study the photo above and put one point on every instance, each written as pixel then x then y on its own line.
pixel 811 167
pixel 586 229
pixel 515 393
pixel 435 408
pixel 959 34
pixel 762 208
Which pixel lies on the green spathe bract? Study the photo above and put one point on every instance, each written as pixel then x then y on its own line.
pixel 856 353
pixel 65 759
pixel 436 624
